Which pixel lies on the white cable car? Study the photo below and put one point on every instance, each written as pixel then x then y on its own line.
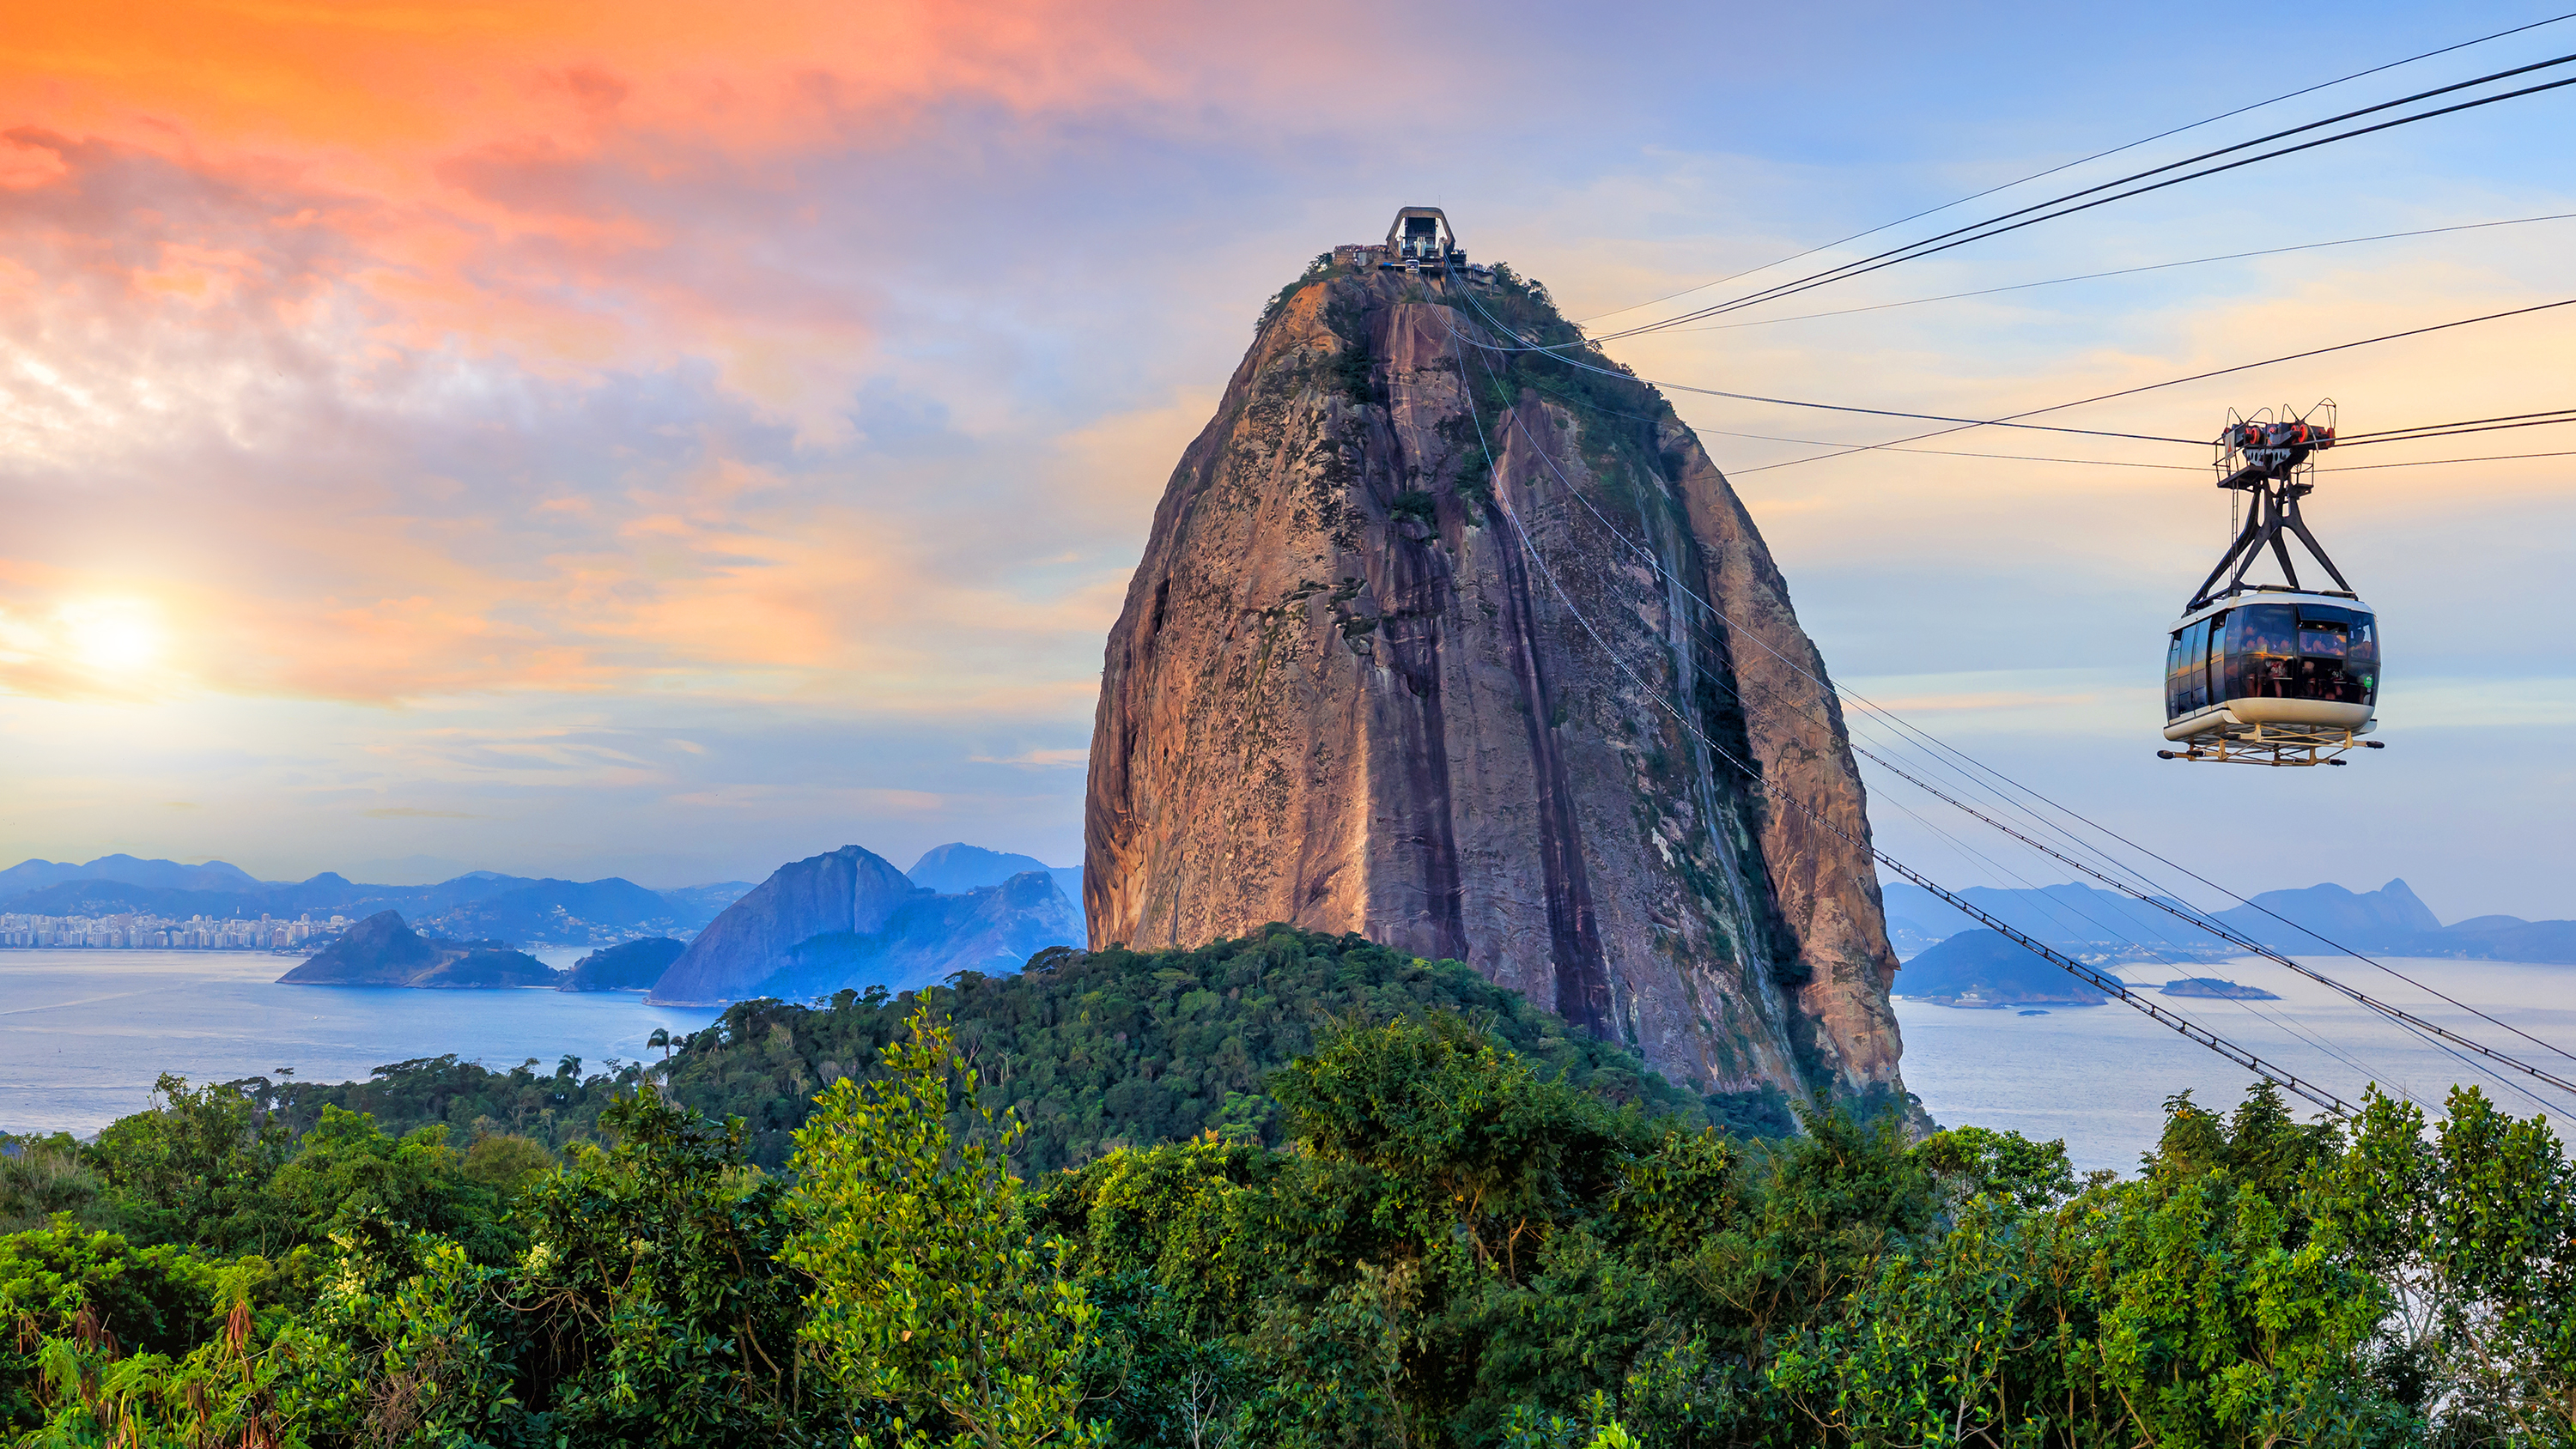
pixel 2272 674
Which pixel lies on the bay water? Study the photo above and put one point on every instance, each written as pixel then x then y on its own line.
pixel 2098 1076
pixel 83 1033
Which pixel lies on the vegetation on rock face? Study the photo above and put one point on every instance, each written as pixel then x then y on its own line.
pixel 1427 1237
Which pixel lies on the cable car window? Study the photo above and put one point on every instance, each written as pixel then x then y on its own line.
pixel 2195 672
pixel 2361 664
pixel 2214 677
pixel 2323 641
pixel 2262 639
pixel 2187 669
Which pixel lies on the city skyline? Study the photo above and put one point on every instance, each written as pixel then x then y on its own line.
pixel 118 930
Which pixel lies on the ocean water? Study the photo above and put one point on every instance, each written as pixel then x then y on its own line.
pixel 2098 1076
pixel 84 1033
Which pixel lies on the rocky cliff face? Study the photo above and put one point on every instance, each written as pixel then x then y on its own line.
pixel 1344 693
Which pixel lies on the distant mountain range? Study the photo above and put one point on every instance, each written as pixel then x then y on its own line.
pixel 478 905
pixel 846 919
pixel 2104 926
pixel 956 869
pixel 214 875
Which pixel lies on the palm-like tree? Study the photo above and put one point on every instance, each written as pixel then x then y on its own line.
pixel 661 1037
pixel 569 1067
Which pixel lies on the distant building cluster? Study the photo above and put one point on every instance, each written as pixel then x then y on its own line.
pixel 138 931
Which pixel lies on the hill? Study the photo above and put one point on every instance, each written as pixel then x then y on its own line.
pixel 1986 969
pixel 990 929
pixel 633 966
pixel 1096 1050
pixel 848 918
pixel 382 951
pixel 957 868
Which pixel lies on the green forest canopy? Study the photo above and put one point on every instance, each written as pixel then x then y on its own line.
pixel 1095 1050
pixel 1439 1220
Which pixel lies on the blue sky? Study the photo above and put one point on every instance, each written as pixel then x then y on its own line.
pixel 695 449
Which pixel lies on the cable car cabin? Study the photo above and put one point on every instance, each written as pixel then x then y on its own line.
pixel 2272 674
pixel 2267 671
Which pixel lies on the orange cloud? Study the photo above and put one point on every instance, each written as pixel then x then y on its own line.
pixel 372 89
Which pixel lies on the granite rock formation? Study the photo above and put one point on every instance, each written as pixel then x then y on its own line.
pixel 992 929
pixel 383 951
pixel 850 919
pixel 849 889
pixel 1347 692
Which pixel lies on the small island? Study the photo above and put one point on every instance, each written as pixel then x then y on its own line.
pixel 382 951
pixel 628 966
pixel 1985 971
pixel 2216 989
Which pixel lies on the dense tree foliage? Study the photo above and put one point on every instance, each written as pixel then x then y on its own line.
pixel 1422 1234
pixel 1095 1051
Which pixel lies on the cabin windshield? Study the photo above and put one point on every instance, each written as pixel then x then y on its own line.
pixel 2301 651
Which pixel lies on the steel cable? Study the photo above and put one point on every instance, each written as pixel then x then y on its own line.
pixel 2096 156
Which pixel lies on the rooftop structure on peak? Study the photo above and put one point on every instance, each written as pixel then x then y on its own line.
pixel 1420 237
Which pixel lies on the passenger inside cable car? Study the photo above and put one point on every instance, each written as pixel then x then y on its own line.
pixel 2273 651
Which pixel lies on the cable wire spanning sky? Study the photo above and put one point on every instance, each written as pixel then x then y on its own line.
pixel 664 444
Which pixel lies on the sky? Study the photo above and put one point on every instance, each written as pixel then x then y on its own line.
pixel 669 440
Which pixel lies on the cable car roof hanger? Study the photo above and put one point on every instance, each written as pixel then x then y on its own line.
pixel 2275 462
pixel 2272 674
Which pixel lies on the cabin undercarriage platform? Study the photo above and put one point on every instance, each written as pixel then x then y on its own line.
pixel 2271 744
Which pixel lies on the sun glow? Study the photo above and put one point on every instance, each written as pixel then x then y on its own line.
pixel 111 636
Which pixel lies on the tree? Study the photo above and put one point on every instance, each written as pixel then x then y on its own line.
pixel 932 1296
pixel 349 1183
pixel 652 1298
pixel 2473 1232
pixel 196 1167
